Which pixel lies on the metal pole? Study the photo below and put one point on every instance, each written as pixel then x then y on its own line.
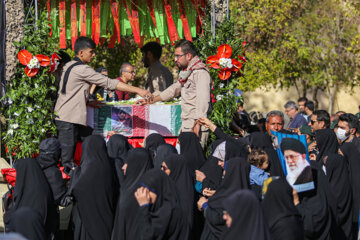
pixel 213 22
pixel 227 10
pixel 36 13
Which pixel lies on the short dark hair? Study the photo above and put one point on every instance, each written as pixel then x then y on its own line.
pixel 63 57
pixel 310 105
pixel 154 48
pixel 82 43
pixel 351 119
pixel 257 157
pixel 322 115
pixel 186 47
pixel 303 99
pixel 274 114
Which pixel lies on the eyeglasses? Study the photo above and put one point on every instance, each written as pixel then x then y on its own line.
pixel 132 72
pixel 179 55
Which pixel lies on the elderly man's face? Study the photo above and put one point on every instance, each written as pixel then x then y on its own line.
pixel 291 112
pixel 294 159
pixel 275 123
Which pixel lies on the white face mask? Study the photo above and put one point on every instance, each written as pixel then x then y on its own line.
pixel 341 134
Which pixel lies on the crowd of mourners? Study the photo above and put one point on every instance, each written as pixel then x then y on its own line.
pixel 165 192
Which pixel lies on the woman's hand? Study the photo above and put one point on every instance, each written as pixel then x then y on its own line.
pixel 208 193
pixel 201 202
pixel 142 196
pixel 200 176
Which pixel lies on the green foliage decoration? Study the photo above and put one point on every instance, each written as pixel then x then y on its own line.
pixel 29 112
pixel 224 102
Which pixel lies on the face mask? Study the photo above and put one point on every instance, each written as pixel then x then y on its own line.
pixel 341 134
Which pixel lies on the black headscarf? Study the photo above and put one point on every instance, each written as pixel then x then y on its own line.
pixel 212 170
pixel 180 174
pixel 337 174
pixel 166 215
pixel 283 218
pixel 94 189
pixel 248 220
pixel 28 223
pixel 161 153
pixel 126 224
pixel 236 177
pixel 48 161
pixel 190 148
pixel 117 149
pixel 326 142
pixel 351 155
pixel 152 142
pixel 32 190
pixel 318 208
pixel 261 140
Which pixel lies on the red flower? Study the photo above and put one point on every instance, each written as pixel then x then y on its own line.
pixel 54 62
pixel 222 60
pixel 32 63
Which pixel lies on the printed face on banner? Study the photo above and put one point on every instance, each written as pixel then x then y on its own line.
pixel 121 120
pixel 294 157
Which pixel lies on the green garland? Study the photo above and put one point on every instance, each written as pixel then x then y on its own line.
pixel 28 113
pixel 224 101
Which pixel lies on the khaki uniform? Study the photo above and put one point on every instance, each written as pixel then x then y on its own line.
pixel 195 99
pixel 71 106
pixel 159 78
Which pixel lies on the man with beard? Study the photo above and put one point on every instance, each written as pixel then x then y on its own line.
pixel 297 167
pixel 159 77
pixel 346 131
pixel 193 85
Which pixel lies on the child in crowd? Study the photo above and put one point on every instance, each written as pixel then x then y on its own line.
pixel 259 162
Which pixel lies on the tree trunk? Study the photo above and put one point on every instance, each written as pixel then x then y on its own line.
pixel 332 97
pixel 14 33
pixel 316 102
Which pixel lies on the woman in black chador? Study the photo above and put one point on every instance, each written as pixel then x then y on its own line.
pixel 159 216
pixel 236 177
pixel 32 190
pixel 94 188
pixel 244 217
pixel 137 163
pixel 283 218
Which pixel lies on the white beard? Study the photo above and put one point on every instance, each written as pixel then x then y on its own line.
pixel 292 175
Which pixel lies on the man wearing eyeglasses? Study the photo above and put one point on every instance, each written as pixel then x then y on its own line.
pixel 297 167
pixel 193 85
pixel 296 119
pixel 127 74
pixel 320 119
pixel 159 77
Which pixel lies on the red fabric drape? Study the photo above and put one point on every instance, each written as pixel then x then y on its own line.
pixel 83 17
pixel 74 29
pixel 170 21
pixel 96 21
pixel 62 37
